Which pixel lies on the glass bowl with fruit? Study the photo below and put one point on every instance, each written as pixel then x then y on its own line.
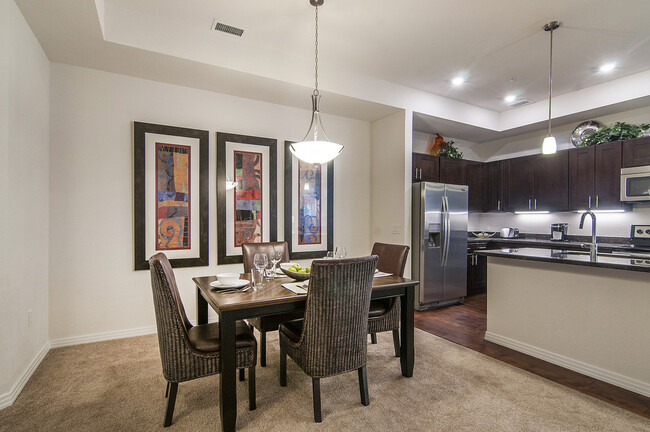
pixel 296 271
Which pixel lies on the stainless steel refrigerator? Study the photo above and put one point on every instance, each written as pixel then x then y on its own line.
pixel 439 244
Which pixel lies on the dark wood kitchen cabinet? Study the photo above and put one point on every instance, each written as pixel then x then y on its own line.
pixel 493 186
pixel 476 274
pixel 538 182
pixel 551 182
pixel 636 152
pixel 426 168
pixel 475 179
pixel 594 177
pixel 518 183
pixel 452 171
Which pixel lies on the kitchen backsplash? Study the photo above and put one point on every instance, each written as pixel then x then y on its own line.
pixel 607 224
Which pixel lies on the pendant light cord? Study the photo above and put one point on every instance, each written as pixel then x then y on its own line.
pixel 550 85
pixel 316 93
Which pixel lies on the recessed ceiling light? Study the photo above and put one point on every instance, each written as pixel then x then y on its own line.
pixel 458 81
pixel 607 67
pixel 510 98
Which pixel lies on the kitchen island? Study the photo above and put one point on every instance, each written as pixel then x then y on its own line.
pixel 590 316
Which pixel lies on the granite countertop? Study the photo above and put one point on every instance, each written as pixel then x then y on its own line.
pixel 560 256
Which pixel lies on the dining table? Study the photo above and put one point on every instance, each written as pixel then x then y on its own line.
pixel 272 298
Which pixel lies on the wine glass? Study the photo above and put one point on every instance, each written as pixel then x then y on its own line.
pixel 260 261
pixel 340 252
pixel 276 257
pixel 330 255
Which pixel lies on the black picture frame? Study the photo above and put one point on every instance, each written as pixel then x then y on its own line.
pixel 288 205
pixel 222 216
pixel 139 193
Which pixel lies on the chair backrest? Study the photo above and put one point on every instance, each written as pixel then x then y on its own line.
pixel 250 249
pixel 336 315
pixel 392 258
pixel 171 320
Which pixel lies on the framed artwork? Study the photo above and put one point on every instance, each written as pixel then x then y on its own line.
pixel 308 206
pixel 247 212
pixel 170 167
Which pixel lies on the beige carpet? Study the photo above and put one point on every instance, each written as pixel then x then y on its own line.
pixel 118 386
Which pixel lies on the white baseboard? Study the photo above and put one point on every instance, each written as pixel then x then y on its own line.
pixel 601 374
pixel 99 337
pixel 8 399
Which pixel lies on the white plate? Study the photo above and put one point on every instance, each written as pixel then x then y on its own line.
pixel 239 284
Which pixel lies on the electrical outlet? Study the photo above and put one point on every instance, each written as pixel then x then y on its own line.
pixel 396 229
pixel 29 318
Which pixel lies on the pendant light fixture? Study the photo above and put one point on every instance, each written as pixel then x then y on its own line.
pixel 316 148
pixel 549 146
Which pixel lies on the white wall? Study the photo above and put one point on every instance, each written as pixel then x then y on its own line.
pixel 390 180
pixel 93 286
pixel 24 146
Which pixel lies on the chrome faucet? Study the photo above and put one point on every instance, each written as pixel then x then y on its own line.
pixel 593 247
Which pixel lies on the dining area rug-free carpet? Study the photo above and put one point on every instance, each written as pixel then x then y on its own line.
pixel 118 385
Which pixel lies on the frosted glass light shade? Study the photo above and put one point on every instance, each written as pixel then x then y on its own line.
pixel 316 148
pixel 549 146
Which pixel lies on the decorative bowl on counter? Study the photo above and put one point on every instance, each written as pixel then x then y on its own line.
pixel 483 234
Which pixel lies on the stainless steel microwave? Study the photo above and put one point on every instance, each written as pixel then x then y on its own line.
pixel 635 184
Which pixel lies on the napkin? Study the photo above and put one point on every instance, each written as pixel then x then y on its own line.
pixel 296 287
pixel 382 274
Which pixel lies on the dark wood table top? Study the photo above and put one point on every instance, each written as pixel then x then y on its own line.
pixel 274 293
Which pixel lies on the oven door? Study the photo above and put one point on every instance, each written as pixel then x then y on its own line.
pixel 635 184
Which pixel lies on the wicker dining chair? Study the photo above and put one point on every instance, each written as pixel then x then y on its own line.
pixel 267 323
pixel 189 352
pixel 385 313
pixel 331 339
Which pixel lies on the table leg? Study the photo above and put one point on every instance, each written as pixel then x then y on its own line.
pixel 201 308
pixel 228 374
pixel 407 350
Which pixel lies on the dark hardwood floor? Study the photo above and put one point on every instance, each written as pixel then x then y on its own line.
pixel 465 325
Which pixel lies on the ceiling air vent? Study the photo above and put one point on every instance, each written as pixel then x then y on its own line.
pixel 226 28
pixel 519 103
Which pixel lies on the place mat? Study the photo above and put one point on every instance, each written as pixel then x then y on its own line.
pixel 295 287
pixel 382 274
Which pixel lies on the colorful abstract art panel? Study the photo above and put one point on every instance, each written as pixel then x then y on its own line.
pixel 172 197
pixel 309 203
pixel 248 197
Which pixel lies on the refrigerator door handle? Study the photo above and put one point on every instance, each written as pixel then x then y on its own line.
pixel 445 217
pixel 443 231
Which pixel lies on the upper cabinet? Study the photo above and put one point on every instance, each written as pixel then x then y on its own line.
pixel 452 171
pixel 577 179
pixel 636 152
pixel 493 186
pixel 538 182
pixel 475 179
pixel 426 168
pixel 518 183
pixel 594 174
pixel 552 182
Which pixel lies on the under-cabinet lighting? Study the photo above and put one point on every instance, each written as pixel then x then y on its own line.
pixel 532 212
pixel 603 211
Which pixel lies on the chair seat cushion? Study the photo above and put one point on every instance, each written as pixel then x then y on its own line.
pixel 379 307
pixel 292 329
pixel 205 337
pixel 272 322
